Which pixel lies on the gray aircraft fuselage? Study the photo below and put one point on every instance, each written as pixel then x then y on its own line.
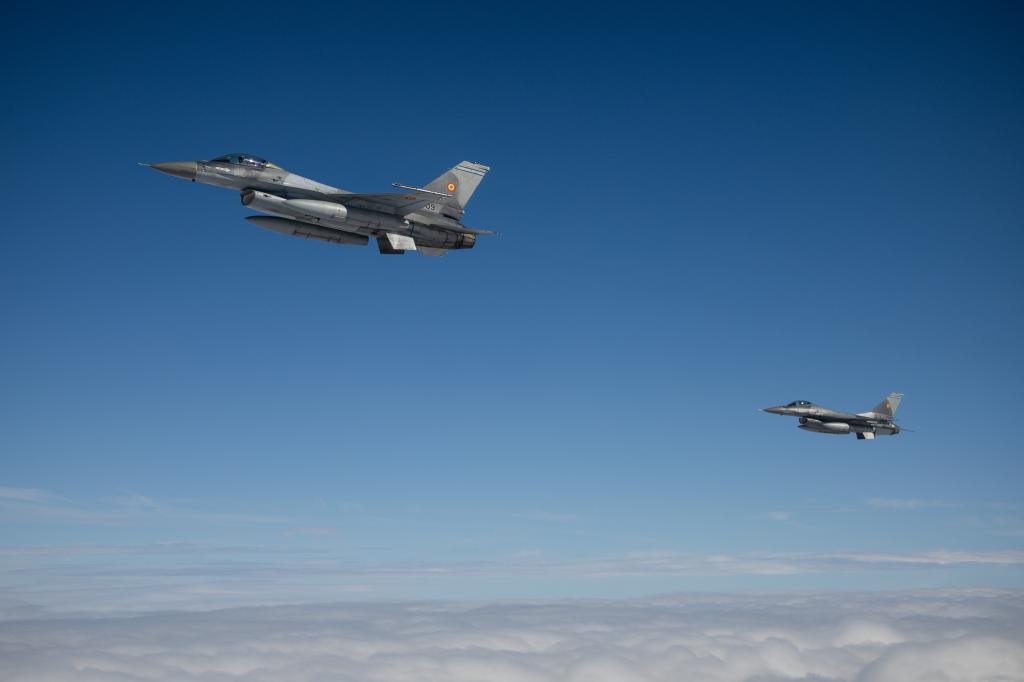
pixel 866 425
pixel 427 220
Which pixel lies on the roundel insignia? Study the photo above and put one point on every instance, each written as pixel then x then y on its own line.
pixel 451 186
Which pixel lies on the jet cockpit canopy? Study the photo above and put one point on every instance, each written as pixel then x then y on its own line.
pixel 242 159
pixel 799 403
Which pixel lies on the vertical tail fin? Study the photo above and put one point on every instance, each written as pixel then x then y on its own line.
pixel 888 406
pixel 460 181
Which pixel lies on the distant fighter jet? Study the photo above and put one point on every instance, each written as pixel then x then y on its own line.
pixel 425 219
pixel 866 425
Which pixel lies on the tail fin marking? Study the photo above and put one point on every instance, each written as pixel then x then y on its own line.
pixel 460 182
pixel 889 405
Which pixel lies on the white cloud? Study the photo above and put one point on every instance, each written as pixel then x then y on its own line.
pixel 24 504
pixel 189 575
pixel 778 516
pixel 989 658
pixel 964 635
pixel 33 495
pixel 1011 526
pixel 905 503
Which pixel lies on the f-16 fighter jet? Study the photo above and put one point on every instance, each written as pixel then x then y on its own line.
pixel 867 425
pixel 425 219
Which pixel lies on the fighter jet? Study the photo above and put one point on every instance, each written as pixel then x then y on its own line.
pixel 425 219
pixel 867 425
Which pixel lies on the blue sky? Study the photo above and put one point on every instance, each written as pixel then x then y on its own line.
pixel 701 214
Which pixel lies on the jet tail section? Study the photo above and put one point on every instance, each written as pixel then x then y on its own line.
pixel 460 182
pixel 887 408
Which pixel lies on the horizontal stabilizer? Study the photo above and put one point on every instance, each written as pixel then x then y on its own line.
pixel 462 229
pixel 431 251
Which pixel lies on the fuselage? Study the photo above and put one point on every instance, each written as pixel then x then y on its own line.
pixel 249 173
pixel 267 188
pixel 818 419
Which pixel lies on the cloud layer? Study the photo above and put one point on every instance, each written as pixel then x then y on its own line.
pixel 905 503
pixel 190 576
pixel 196 576
pixel 874 637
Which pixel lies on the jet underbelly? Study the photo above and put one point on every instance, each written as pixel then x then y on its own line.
pixel 324 213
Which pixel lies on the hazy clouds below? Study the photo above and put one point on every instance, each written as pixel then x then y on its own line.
pixel 896 636
pixel 183 576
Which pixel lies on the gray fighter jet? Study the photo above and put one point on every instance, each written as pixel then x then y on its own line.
pixel 425 219
pixel 867 425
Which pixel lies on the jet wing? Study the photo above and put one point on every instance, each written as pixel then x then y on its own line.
pixel 847 417
pixel 398 203
pixel 403 204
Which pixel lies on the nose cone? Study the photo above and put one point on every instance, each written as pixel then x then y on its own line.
pixel 773 410
pixel 180 169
